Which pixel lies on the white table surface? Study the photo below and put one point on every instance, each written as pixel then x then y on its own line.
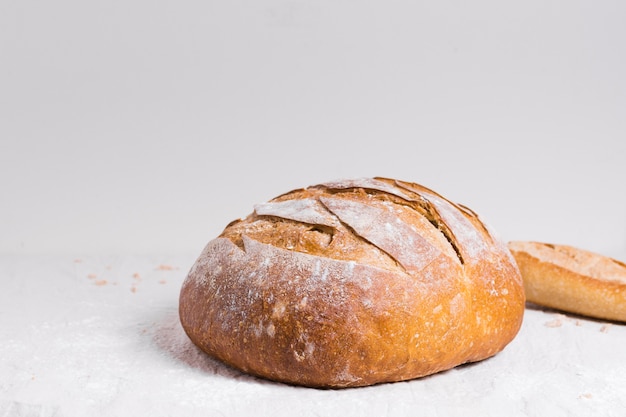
pixel 100 336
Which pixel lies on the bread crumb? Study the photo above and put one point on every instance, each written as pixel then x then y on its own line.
pixel 164 267
pixel 557 322
pixel 77 261
pixel 92 276
pixel 579 323
pixel 101 282
pixel 585 395
pixel 133 289
pixel 163 281
pixel 605 327
pixel 136 275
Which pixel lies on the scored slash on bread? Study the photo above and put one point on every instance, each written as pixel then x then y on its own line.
pixel 572 279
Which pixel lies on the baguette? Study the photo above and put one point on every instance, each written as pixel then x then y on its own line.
pixel 353 283
pixel 572 279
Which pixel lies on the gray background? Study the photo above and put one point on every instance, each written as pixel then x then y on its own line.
pixel 146 126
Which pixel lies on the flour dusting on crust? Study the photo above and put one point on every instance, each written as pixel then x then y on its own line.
pixel 306 210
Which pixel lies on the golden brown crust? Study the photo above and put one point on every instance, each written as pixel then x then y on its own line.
pixel 353 283
pixel 572 279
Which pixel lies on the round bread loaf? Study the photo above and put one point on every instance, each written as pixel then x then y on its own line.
pixel 572 279
pixel 353 283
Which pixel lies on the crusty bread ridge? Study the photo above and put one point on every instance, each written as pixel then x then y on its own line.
pixel 353 283
pixel 572 279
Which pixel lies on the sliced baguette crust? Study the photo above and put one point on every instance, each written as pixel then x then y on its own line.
pixel 572 279
pixel 353 283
